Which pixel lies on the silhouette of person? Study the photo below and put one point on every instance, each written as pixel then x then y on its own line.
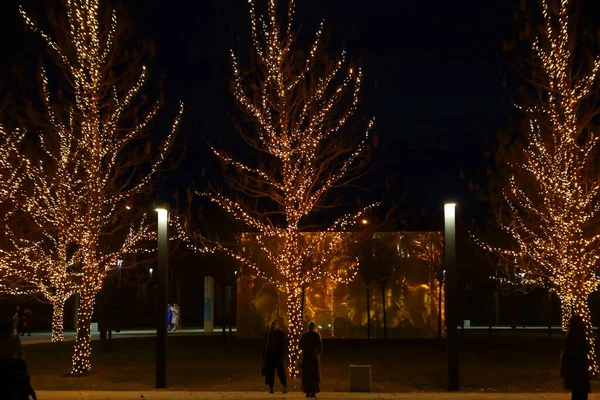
pixel 574 367
pixel 273 353
pixel 311 347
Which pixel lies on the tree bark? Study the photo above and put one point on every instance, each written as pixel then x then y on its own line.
pixel 295 322
pixel 440 308
pixel 497 301
pixel 302 303
pixel 513 319
pixel 224 314
pixel 384 314
pixel 58 311
pixel 368 313
pixel 491 315
pixel 549 313
pixel 82 353
pixel 75 310
pixel 566 310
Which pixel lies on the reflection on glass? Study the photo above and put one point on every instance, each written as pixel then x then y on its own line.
pixel 412 296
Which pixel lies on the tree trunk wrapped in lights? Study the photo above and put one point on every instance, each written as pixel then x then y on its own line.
pixel 58 311
pixel 93 162
pixel 82 353
pixel 299 108
pixel 553 193
pixel 39 264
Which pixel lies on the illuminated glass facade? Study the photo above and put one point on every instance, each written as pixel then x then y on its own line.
pixel 413 296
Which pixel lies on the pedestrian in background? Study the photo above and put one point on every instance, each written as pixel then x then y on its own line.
pixel 176 317
pixel 311 347
pixel 15 323
pixel 574 366
pixel 28 324
pixel 272 358
pixel 170 317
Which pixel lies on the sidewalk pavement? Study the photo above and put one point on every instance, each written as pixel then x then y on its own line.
pixel 181 395
pixel 45 337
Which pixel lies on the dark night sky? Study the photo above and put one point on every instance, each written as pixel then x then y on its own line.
pixel 432 76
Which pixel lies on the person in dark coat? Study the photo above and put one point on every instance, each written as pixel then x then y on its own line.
pixel 574 367
pixel 311 347
pixel 28 322
pixel 15 383
pixel 273 353
pixel 21 321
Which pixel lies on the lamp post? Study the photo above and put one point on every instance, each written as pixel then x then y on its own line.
pixel 162 276
pixel 451 294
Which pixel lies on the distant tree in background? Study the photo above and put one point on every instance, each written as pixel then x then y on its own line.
pixel 553 189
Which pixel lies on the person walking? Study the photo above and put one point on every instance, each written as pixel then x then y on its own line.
pixel 175 318
pixel 28 322
pixel 169 317
pixel 15 323
pixel 311 347
pixel 574 367
pixel 272 358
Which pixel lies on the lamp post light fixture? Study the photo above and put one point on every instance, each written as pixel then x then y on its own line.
pixel 451 294
pixel 162 276
pixel 365 221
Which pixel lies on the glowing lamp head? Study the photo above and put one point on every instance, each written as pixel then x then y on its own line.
pixel 449 206
pixel 162 214
pixel 364 221
pixel 449 210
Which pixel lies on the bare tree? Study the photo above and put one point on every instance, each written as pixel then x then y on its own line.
pixel 97 159
pixel 553 191
pixel 300 110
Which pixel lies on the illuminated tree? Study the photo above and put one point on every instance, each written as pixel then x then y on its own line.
pixel 10 180
pixel 40 267
pixel 553 192
pixel 94 161
pixel 300 108
pixel 10 177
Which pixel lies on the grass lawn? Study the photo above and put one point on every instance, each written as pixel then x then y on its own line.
pixel 527 362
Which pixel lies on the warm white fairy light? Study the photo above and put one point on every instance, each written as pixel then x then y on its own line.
pixel 26 267
pixel 556 194
pixel 42 267
pixel 87 180
pixel 297 114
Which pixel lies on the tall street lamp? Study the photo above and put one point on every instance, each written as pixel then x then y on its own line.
pixel 451 294
pixel 162 276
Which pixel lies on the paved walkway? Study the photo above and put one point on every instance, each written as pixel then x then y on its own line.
pixel 180 395
pixel 45 337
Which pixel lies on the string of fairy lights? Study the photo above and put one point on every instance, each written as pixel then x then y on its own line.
pixel 44 268
pixel 550 209
pixel 82 184
pixel 296 112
